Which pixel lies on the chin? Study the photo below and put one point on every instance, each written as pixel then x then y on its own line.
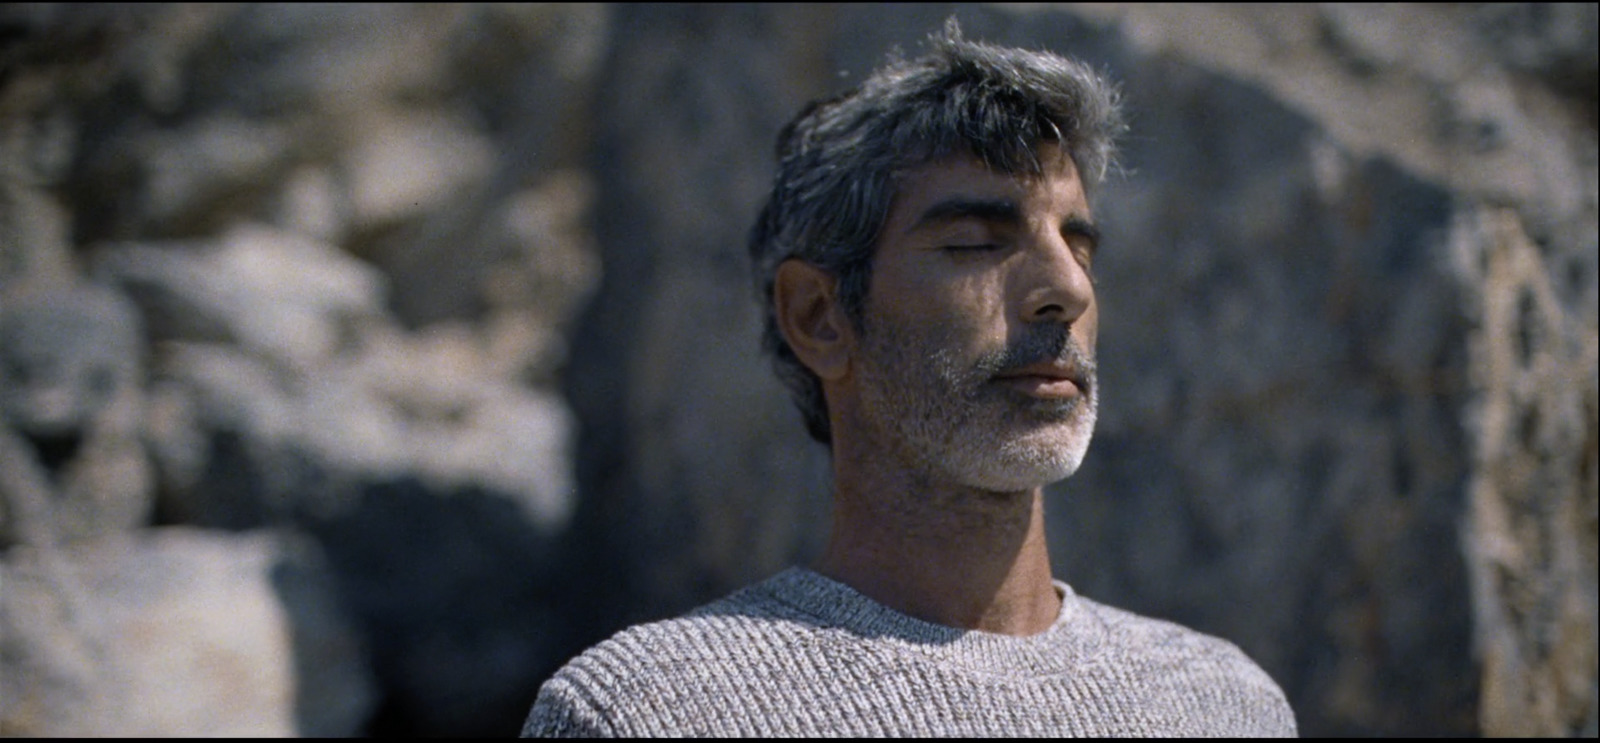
pixel 1029 462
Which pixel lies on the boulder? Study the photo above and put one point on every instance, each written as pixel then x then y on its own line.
pixel 177 632
pixel 285 296
pixel 71 406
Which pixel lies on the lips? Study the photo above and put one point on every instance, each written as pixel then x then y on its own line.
pixel 1047 380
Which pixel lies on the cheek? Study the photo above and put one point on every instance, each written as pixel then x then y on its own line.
pixel 950 298
pixel 973 312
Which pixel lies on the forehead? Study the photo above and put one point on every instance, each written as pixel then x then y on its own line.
pixel 1056 188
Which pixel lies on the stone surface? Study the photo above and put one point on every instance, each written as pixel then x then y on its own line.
pixel 282 295
pixel 71 370
pixel 33 231
pixel 693 481
pixel 1532 520
pixel 407 163
pixel 177 632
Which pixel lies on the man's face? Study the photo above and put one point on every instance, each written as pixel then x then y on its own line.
pixel 976 362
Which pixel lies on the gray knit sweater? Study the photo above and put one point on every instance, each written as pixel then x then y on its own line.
pixel 802 655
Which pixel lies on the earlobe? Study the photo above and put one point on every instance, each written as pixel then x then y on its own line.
pixel 810 318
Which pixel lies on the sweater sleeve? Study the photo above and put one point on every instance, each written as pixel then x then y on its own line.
pixel 563 711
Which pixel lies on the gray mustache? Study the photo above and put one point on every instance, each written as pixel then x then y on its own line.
pixel 1043 344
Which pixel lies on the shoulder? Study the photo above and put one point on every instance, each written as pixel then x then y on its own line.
pixel 1158 638
pixel 653 672
pixel 746 622
pixel 1188 669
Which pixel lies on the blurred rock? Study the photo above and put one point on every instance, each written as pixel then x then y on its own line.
pixel 313 203
pixel 33 239
pixel 407 164
pixel 275 186
pixel 285 296
pixel 328 59
pixel 189 173
pixel 428 408
pixel 525 80
pixel 552 265
pixel 71 370
pixel 177 633
pixel 1532 521
pixel 694 475
pixel 437 487
pixel 222 429
pixel 1556 42
pixel 453 587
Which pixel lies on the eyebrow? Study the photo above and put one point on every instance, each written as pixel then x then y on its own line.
pixel 1002 211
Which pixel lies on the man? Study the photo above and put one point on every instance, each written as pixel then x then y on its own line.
pixel 926 258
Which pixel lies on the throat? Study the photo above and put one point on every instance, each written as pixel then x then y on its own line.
pixel 971 560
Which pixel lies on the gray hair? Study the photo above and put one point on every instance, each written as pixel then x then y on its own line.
pixel 840 161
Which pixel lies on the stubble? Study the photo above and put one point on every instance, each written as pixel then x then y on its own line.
pixel 944 412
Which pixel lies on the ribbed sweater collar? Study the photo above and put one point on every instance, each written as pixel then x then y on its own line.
pixel 1074 638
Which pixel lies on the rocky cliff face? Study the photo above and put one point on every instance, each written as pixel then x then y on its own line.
pixel 352 235
pixel 454 300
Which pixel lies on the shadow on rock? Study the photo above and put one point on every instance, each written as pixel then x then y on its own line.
pixel 452 590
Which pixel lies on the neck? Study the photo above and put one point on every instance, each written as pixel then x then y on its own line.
pixel 951 555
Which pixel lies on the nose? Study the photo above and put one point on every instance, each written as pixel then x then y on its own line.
pixel 1056 286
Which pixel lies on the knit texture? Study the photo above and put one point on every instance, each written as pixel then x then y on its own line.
pixel 802 655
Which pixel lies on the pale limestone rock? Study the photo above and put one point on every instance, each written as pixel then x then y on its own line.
pixel 1532 519
pixel 71 405
pixel 176 632
pixel 286 296
pixel 408 164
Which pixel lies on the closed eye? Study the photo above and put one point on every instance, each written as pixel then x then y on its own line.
pixel 1085 256
pixel 974 248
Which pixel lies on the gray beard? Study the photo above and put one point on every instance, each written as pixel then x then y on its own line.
pixel 952 420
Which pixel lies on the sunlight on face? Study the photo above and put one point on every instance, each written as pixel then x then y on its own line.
pixel 977 360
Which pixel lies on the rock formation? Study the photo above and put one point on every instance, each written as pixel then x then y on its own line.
pixel 449 307
pixel 177 632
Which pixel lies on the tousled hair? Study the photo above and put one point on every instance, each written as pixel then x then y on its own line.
pixel 841 158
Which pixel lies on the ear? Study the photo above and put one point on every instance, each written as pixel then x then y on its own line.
pixel 810 318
